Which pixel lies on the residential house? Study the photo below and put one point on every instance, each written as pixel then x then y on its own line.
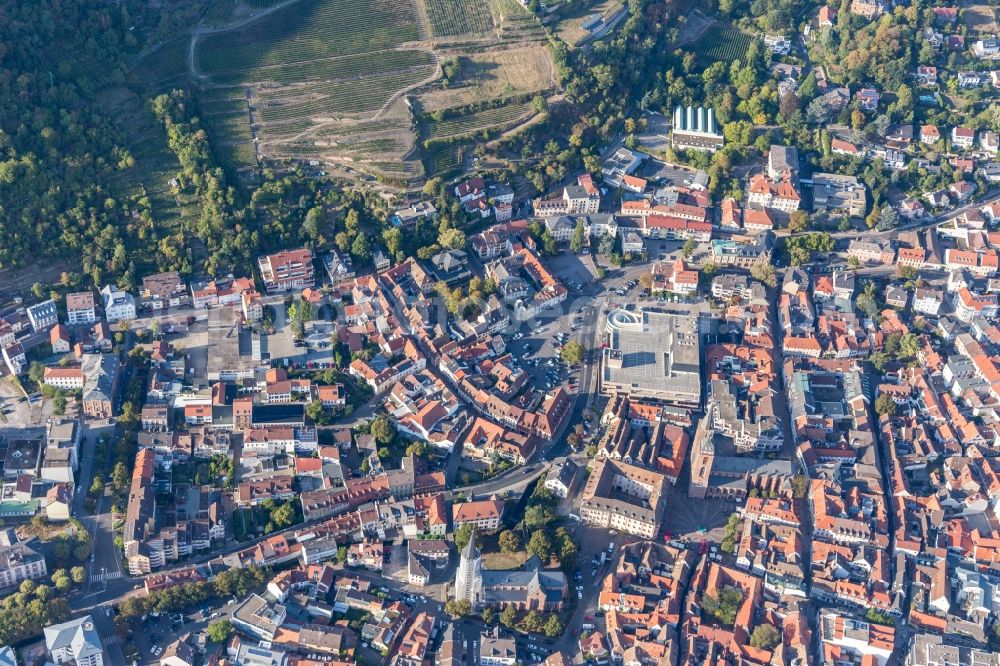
pixel 868 99
pixel 929 134
pixel 163 290
pixel 43 316
pixel 288 270
pixel 962 137
pixel 75 642
pixel 484 515
pixel 80 308
pixel 59 338
pixel 118 305
pixel 20 560
pixel 927 75
pixel 14 358
pixel 408 217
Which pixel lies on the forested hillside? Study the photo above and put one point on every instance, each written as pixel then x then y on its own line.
pixel 60 155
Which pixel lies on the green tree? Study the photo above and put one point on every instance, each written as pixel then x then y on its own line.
pixel 78 575
pixel 509 542
pixel 132 607
pixel 458 608
pixel 540 545
pixel 36 372
pixel 462 536
pixel 361 247
pixel 284 516
pixel 798 222
pixel 765 637
pixel 119 476
pixel 488 616
pixel 315 411
pixel 220 631
pixel 508 616
pixel 383 429
pixel 867 300
pixel 885 405
pixel 61 580
pixel 764 272
pixel 572 352
pixel 724 606
pixel 553 627
pixel 690 245
pixel 453 239
pixel 576 240
pixel 533 621
pixel 313 225
pixel 738 133
pixel 418 449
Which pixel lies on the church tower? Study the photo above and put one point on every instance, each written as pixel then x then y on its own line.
pixel 469 577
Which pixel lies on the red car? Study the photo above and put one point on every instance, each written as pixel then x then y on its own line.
pixel 704 548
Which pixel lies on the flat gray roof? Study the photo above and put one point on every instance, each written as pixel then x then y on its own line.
pixel 658 352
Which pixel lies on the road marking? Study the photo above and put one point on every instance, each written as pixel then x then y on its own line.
pixel 111 640
pixel 114 575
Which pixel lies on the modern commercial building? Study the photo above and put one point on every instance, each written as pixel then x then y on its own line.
pixel 652 355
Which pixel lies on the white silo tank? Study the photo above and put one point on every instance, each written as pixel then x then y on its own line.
pixel 690 119
pixel 711 121
pixel 678 118
pixel 702 124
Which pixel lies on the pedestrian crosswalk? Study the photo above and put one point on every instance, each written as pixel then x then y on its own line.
pixel 110 640
pixel 106 576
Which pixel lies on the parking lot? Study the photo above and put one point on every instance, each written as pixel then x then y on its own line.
pixel 537 346
pixel 17 411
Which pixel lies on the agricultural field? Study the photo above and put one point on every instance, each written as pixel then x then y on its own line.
pixel 493 75
pixel 722 43
pixel 449 18
pixel 474 123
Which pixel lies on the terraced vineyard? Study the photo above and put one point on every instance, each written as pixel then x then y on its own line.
pixel 723 44
pixel 442 158
pixel 328 68
pixel 166 65
pixel 338 98
pixel 311 30
pixel 458 17
pixel 328 79
pixel 473 123
pixel 492 75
